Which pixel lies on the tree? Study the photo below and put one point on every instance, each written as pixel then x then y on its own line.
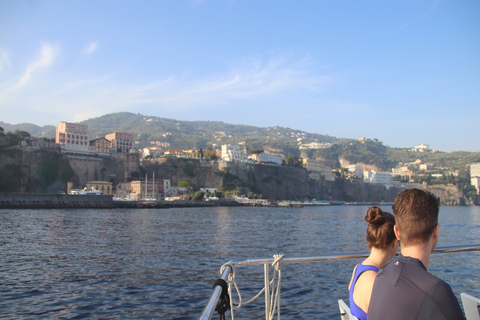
pixel 198 196
pixel 187 184
pixel 293 161
pixel 22 134
pixel 256 151
pixel 210 154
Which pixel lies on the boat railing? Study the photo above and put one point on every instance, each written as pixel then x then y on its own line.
pixel 271 290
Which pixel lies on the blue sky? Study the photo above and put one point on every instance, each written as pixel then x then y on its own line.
pixel 403 72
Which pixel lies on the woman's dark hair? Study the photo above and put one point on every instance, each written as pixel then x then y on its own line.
pixel 380 232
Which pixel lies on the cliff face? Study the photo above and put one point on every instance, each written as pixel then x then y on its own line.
pixel 277 183
pixel 23 169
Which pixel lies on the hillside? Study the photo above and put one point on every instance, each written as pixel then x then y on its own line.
pixel 176 134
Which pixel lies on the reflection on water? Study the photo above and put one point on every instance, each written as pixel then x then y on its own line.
pixel 143 264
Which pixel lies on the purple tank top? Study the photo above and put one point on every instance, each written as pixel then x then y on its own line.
pixel 354 309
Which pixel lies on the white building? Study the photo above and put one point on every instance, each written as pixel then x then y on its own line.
pixel 154 152
pixel 316 167
pixel 233 153
pixel 475 170
pixel 475 175
pixel 373 176
pixel 421 147
pixel 356 170
pixel 266 158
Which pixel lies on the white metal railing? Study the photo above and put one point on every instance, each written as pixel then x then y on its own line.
pixel 228 269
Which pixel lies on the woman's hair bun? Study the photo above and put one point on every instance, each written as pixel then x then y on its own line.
pixel 375 216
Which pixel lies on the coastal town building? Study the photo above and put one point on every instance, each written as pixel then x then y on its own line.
pixel 475 175
pixel 373 176
pixel 72 137
pixel 233 153
pixel 188 153
pixel 421 148
pixel 315 145
pixel 42 143
pixel 92 187
pixel 144 189
pixel 101 146
pixel 356 170
pixel 266 158
pixel 316 169
pixel 153 152
pixel 120 142
pixel 104 186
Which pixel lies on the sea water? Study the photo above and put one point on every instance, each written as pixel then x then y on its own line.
pixel 161 263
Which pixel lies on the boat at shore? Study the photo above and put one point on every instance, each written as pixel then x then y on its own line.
pixel 221 299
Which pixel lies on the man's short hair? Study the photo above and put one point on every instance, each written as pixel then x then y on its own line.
pixel 416 215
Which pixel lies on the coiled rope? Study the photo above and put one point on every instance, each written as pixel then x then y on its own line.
pixel 274 289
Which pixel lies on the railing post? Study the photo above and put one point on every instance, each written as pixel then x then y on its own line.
pixel 266 267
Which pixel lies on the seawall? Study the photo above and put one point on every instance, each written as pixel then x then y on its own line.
pixel 53 200
pixel 57 201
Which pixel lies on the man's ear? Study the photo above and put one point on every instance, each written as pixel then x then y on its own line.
pixel 436 231
pixel 397 234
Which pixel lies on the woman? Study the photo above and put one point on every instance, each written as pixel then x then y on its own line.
pixel 383 246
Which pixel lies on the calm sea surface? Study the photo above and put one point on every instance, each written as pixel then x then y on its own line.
pixel 161 263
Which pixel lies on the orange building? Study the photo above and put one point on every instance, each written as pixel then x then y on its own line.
pixel 72 137
pixel 121 142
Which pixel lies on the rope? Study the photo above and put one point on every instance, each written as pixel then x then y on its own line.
pixel 274 298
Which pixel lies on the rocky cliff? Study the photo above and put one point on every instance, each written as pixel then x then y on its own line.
pixel 25 169
pixel 272 182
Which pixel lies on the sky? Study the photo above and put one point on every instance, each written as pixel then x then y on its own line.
pixel 403 72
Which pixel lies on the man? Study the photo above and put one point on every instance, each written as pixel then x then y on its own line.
pixel 404 289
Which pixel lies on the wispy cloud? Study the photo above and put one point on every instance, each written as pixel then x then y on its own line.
pixel 91 48
pixel 4 59
pixel 251 78
pixel 43 61
pixel 74 96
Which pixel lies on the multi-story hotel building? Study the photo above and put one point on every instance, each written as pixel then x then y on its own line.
pixel 233 153
pixel 316 169
pixel 101 145
pixel 72 137
pixel 475 175
pixel 121 142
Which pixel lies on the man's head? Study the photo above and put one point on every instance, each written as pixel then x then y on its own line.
pixel 416 216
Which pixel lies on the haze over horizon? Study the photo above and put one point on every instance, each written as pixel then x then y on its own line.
pixel 404 73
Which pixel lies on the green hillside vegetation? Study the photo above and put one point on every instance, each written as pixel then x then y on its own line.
pixel 373 152
pixel 149 131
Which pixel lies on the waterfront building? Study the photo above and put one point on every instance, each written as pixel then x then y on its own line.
pixel 233 153
pixel 72 137
pixel 475 175
pixel 104 186
pixel 316 168
pixel 266 158
pixel 101 145
pixel 42 143
pixel 144 189
pixel 153 152
pixel 356 170
pixel 120 142
pixel 373 176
